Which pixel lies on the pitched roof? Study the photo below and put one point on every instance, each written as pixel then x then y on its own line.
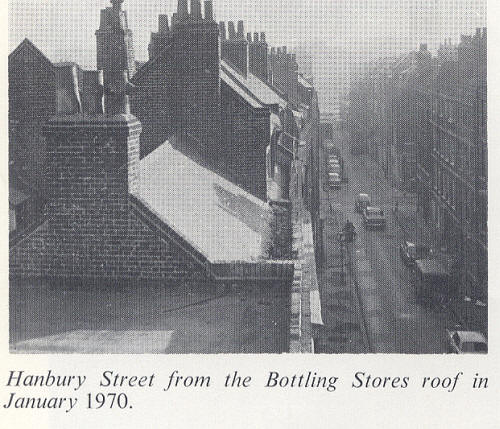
pixel 217 218
pixel 28 44
pixel 239 89
pixel 264 93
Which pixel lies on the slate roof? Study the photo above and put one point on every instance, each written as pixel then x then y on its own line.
pixel 255 86
pixel 219 219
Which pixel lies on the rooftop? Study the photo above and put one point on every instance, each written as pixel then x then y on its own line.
pixel 220 220
pixel 258 88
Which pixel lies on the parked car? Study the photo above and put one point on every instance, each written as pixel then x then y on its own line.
pixel 362 202
pixel 462 342
pixel 334 180
pixel 373 217
pixel 334 168
pixel 411 252
pixel 333 162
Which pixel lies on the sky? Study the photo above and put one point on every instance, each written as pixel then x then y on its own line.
pixel 330 34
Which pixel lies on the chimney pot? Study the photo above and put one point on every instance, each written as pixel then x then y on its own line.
pixel 117 89
pixel 182 10
pixel 209 10
pixel 196 9
pixel 241 30
pixel 92 92
pixel 67 94
pixel 232 33
pixel 222 30
pixel 163 24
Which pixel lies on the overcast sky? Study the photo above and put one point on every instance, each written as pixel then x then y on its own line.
pixel 331 32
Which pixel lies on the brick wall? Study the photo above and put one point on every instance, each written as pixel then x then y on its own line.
pixel 246 135
pixel 257 56
pixel 197 87
pixel 153 103
pixel 91 231
pixel 31 103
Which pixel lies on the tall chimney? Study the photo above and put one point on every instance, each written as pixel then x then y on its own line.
pixel 163 24
pixel 196 9
pixel 222 30
pixel 209 10
pixel 232 33
pixel 182 10
pixel 241 31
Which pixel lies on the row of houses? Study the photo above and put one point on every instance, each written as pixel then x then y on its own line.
pixel 178 168
pixel 423 118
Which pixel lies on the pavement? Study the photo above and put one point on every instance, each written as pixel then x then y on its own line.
pixel 147 317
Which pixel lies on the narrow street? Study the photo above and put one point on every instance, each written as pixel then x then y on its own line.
pixel 379 298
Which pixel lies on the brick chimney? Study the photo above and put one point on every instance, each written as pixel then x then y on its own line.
pixel 258 56
pixel 182 10
pixel 115 47
pixel 161 39
pixel 235 49
pixel 209 10
pixel 92 165
pixel 163 24
pixel 232 32
pixel 222 30
pixel 195 53
pixel 195 9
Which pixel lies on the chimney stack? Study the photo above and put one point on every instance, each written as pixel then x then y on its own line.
pixel 117 4
pixel 284 49
pixel 182 10
pixel 262 37
pixel 222 30
pixel 163 24
pixel 209 10
pixel 196 9
pixel 249 37
pixel 232 33
pixel 255 37
pixel 241 30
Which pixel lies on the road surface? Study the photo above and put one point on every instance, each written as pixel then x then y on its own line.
pixel 381 294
